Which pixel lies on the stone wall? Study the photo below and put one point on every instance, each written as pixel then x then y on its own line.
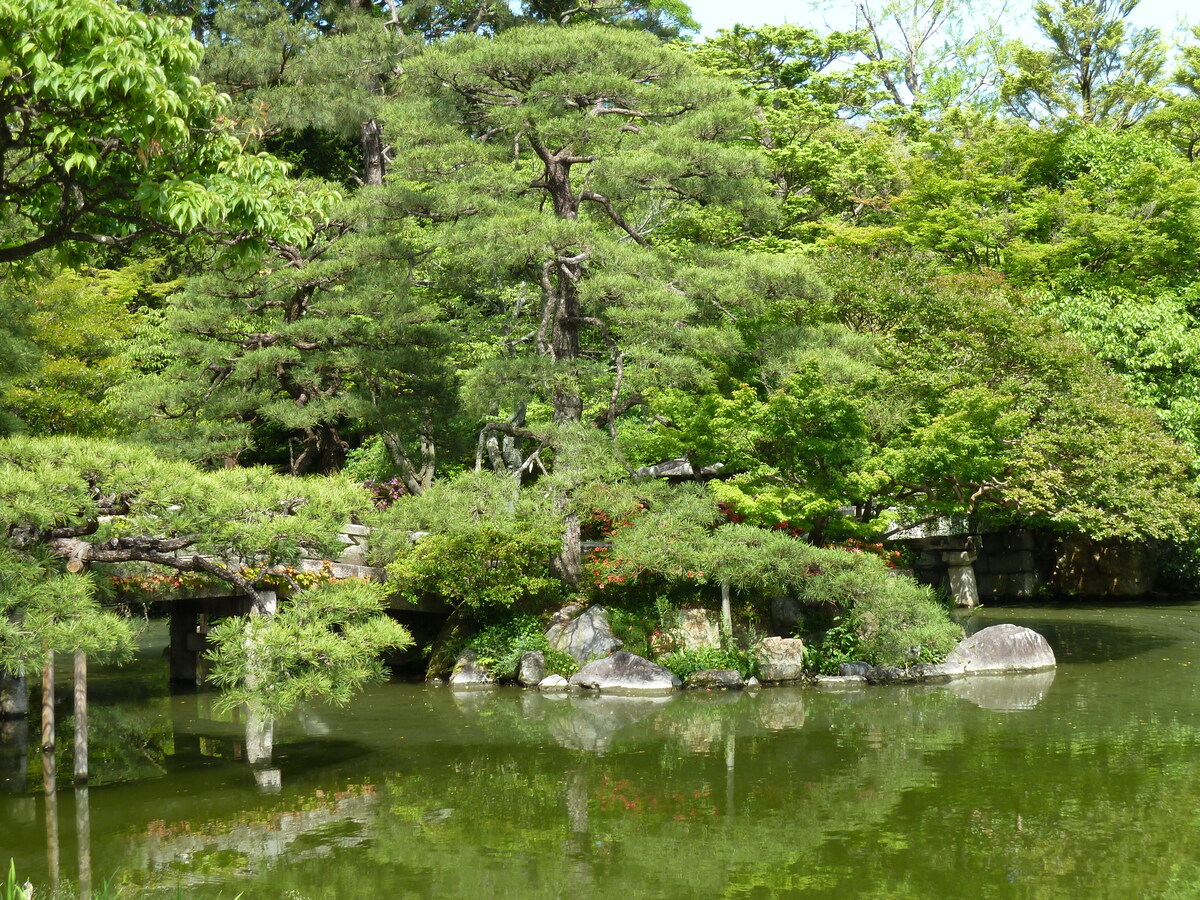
pixel 1017 564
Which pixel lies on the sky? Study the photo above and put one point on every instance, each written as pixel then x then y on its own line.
pixel 714 14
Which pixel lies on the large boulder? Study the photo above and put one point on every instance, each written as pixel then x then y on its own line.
pixel 626 673
pixel 780 659
pixel 1001 648
pixel 531 669
pixel 584 634
pixel 468 673
pixel 694 629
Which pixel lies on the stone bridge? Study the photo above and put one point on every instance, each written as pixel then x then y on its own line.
pixel 192 611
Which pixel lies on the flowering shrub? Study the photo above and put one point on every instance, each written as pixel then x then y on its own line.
pixel 385 493
pixel 157 584
pixel 891 558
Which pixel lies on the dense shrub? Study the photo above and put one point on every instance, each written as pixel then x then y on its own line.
pixel 475 541
pixel 501 645
pixel 684 662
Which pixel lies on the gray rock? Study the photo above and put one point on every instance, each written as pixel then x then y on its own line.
pixel 694 629
pixel 890 675
pixel 719 679
pixel 1002 648
pixel 780 659
pixel 854 668
pixel 786 615
pixel 14 696
pixel 554 683
pixel 584 634
pixel 626 673
pixel 469 673
pixel 940 671
pixel 841 682
pixel 531 669
pixel 753 684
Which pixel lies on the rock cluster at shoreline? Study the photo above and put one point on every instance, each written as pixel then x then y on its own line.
pixel 587 637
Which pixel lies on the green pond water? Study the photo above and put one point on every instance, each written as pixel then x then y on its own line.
pixel 1082 782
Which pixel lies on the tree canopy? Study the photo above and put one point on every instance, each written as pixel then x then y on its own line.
pixel 503 261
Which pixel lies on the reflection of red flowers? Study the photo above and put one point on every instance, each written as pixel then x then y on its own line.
pixel 620 795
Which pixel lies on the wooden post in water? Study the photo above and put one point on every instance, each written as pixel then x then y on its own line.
pixel 48 702
pixel 81 718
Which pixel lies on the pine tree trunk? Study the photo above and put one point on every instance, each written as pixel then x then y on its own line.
pixel 374 167
pixel 569 563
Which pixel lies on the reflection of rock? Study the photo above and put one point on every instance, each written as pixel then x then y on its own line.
pixel 715 679
pixel 531 669
pixel 1002 648
pixel 841 682
pixel 591 722
pixel 780 659
pixel 1005 692
pixel 583 635
pixel 626 673
pixel 781 710
pixel 269 780
pixel 14 755
pixel 473 700
pixel 468 673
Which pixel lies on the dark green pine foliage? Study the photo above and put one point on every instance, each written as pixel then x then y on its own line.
pixel 550 169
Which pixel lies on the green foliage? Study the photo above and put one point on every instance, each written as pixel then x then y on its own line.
pixel 111 135
pixel 500 646
pixel 323 644
pixel 902 627
pixel 1025 419
pixel 1097 68
pixel 684 662
pixel 804 90
pixel 1152 342
pixel 475 540
pixel 637 623
pixel 42 609
pixel 836 645
pixel 82 324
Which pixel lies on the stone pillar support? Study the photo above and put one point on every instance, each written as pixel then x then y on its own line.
pixel 960 573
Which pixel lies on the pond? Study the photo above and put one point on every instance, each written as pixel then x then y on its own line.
pixel 1082 782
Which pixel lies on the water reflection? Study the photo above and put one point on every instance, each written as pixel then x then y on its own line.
pixel 901 791
pixel 1004 693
